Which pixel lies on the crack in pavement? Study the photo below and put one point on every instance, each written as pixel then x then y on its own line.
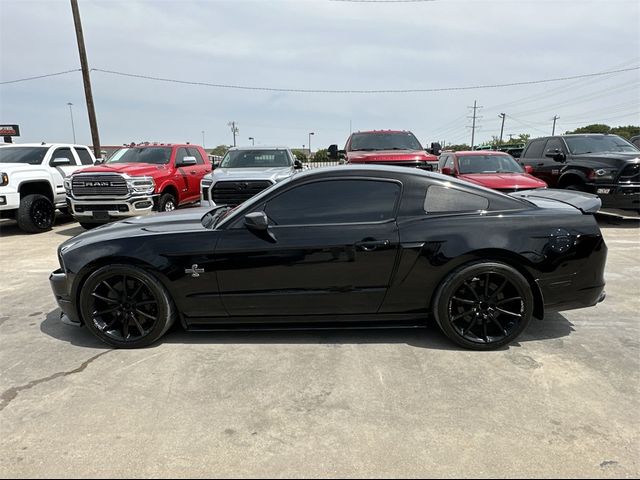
pixel 10 394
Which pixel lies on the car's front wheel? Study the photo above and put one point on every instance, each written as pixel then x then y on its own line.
pixel 126 306
pixel 36 213
pixel 484 305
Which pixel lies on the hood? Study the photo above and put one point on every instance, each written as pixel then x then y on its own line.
pixel 504 181
pixel 606 159
pixel 275 174
pixel 8 168
pixel 390 156
pixel 131 169
pixel 166 222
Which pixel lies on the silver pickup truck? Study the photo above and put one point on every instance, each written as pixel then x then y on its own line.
pixel 245 172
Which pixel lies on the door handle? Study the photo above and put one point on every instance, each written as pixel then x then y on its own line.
pixel 371 245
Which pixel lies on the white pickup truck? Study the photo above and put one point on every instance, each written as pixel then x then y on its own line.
pixel 32 181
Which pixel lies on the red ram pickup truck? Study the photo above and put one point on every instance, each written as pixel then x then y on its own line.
pixel 385 147
pixel 137 180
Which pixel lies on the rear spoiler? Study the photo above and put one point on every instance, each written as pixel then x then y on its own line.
pixel 561 199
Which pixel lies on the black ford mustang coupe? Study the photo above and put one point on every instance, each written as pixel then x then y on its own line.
pixel 361 246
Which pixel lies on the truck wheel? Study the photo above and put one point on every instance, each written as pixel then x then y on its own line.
pixel 167 203
pixel 36 213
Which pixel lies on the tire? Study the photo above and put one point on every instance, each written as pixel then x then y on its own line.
pixel 36 213
pixel 483 305
pixel 89 226
pixel 167 203
pixel 126 306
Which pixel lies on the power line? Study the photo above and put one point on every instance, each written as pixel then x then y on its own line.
pixel 39 76
pixel 409 90
pixel 382 1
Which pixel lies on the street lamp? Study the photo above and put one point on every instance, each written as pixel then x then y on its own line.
pixel 253 141
pixel 73 128
pixel 203 139
pixel 310 133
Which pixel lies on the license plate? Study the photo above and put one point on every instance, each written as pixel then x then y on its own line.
pixel 100 215
pixel 603 191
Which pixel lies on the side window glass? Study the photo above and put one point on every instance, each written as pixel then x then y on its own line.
pixel 445 199
pixel 536 148
pixel 449 162
pixel 335 202
pixel 180 154
pixel 554 143
pixel 194 152
pixel 85 156
pixel 63 153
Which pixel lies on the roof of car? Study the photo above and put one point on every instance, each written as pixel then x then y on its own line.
pixel 382 131
pixel 260 147
pixel 479 152
pixel 44 144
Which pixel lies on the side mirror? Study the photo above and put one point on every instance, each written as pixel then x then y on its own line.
pixel 186 162
pixel 435 149
pixel 256 221
pixel 297 164
pixel 60 161
pixel 446 171
pixel 216 164
pixel 556 154
pixel 333 152
pixel 528 169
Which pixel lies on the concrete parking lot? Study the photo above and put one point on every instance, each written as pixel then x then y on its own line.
pixel 564 401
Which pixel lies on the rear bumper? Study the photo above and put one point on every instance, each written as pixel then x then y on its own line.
pixel 61 287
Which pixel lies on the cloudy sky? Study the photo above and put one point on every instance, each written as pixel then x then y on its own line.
pixel 317 44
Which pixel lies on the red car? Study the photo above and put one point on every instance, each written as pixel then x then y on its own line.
pixel 496 170
pixel 137 180
pixel 385 147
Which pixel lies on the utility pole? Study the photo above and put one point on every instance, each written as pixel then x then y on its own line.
pixel 73 128
pixel 553 131
pixel 234 130
pixel 310 133
pixel 473 125
pixel 93 123
pixel 503 115
pixel 203 139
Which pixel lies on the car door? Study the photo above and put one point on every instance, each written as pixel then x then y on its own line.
pixel 331 249
pixel 60 171
pixel 184 175
pixel 199 170
pixel 545 168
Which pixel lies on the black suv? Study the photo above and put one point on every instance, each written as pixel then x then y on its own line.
pixel 606 165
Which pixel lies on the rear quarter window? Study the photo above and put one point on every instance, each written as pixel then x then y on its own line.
pixel 450 200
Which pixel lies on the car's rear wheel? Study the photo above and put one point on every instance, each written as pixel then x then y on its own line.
pixel 126 306
pixel 484 305
pixel 36 213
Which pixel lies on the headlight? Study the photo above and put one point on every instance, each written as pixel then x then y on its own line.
pixel 206 183
pixel 141 184
pixel 67 185
pixel 4 179
pixel 605 173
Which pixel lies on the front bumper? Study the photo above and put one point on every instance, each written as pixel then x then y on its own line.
pixel 104 210
pixel 61 288
pixel 9 199
pixel 619 197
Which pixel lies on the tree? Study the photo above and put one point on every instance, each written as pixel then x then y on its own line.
pixel 458 147
pixel 624 131
pixel 321 155
pixel 219 150
pixel 300 155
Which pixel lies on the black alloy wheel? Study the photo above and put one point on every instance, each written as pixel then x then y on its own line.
pixel 36 213
pixel 126 306
pixel 484 305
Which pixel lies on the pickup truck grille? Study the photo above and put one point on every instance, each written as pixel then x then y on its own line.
pixel 630 174
pixel 428 166
pixel 235 192
pixel 111 185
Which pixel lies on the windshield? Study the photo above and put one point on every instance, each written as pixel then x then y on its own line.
pixel 256 159
pixel 154 155
pixel 488 164
pixel 598 144
pixel 384 141
pixel 30 155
